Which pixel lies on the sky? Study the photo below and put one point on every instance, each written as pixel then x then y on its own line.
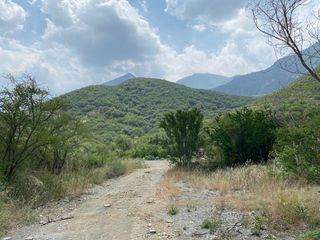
pixel 68 44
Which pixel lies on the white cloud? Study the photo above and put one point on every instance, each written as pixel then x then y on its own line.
pixel 207 11
pixel 90 41
pixel 102 32
pixel 12 16
pixel 199 27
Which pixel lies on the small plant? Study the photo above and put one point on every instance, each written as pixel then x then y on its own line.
pixel 173 211
pixel 191 208
pixel 257 228
pixel 211 224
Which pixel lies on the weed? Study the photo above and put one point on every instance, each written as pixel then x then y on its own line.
pixel 191 208
pixel 211 224
pixel 173 211
pixel 311 235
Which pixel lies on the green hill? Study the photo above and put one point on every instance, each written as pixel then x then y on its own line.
pixel 135 107
pixel 295 101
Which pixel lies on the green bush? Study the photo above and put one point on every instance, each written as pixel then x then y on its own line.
pixel 183 135
pixel 297 150
pixel 242 136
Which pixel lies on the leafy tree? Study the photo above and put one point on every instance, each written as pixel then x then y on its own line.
pixel 244 135
pixel 297 149
pixel 29 122
pixel 182 129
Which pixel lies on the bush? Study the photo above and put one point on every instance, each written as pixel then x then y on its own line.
pixel 243 136
pixel 183 135
pixel 297 150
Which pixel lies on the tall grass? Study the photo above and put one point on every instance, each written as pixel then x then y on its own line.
pixel 287 204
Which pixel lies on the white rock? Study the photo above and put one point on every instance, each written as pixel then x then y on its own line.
pixel 29 238
pixel 107 205
pixel 6 238
pixel 152 231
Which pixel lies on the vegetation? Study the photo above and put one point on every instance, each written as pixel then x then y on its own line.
pixel 173 211
pixel 211 224
pixel 243 136
pixel 126 117
pixel 182 129
pixel 45 154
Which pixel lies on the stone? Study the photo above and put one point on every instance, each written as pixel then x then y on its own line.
pixel 150 201
pixel 152 231
pixel 29 238
pixel 6 238
pixel 107 205
pixel 150 225
pixel 169 221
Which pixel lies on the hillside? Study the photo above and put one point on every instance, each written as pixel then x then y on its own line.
pixel 264 82
pixel 204 81
pixel 259 83
pixel 295 101
pixel 120 80
pixel 135 107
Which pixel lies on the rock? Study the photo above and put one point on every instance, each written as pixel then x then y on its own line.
pixel 152 231
pixel 29 238
pixel 147 171
pixel 200 233
pixel 150 225
pixel 6 238
pixel 107 205
pixel 150 201
pixel 169 221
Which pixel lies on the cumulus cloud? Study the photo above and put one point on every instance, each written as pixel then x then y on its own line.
pixel 101 32
pixel 12 16
pixel 90 41
pixel 210 11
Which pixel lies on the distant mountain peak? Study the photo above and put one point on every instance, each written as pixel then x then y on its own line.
pixel 120 79
pixel 204 80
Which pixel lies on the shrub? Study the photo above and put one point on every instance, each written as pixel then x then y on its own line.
pixel 182 129
pixel 243 136
pixel 297 150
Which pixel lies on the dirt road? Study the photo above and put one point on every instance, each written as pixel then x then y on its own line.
pixel 132 214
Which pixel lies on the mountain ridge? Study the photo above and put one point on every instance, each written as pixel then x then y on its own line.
pixel 119 80
pixel 204 80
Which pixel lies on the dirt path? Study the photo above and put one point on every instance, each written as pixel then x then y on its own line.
pixel 132 214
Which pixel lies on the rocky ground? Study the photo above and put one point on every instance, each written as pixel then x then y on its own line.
pixel 129 207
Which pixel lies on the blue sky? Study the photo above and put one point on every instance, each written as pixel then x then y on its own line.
pixel 68 44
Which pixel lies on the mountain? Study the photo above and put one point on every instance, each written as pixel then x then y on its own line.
pixel 279 75
pixel 259 83
pixel 204 81
pixel 135 107
pixel 120 80
pixel 294 102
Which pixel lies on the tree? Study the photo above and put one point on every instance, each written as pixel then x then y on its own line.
pixel 28 120
pixel 244 136
pixel 279 21
pixel 182 129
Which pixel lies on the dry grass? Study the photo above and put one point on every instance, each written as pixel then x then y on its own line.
pixel 287 204
pixel 168 188
pixel 12 215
